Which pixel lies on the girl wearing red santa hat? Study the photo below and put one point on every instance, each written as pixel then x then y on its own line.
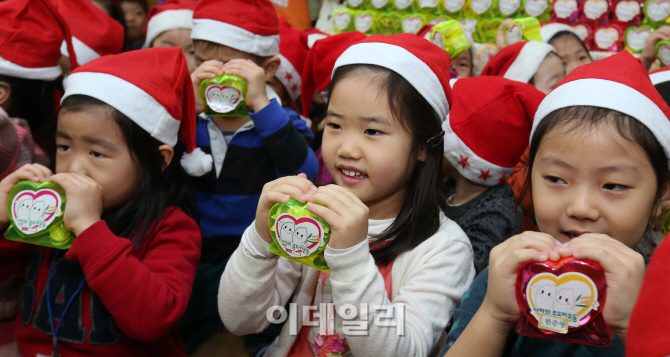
pixel 531 62
pixel 598 170
pixel 125 282
pixel 391 247
pixel 169 25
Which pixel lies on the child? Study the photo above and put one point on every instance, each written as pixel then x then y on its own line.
pixel 383 146
pixel 169 25
pixel 598 168
pixel 248 151
pixel 569 46
pixel 530 62
pixel 461 65
pixel 486 131
pixel 32 33
pixel 94 33
pixel 292 52
pixel 135 15
pixel 123 285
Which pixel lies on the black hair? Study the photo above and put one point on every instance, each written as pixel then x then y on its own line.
pixel 113 9
pixel 589 117
pixel 664 89
pixel 424 201
pixel 160 187
pixel 30 99
pixel 143 4
pixel 561 34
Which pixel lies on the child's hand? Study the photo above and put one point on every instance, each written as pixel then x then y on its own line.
pixel 207 70
pixel 500 36
pixel 649 53
pixel 504 262
pixel 84 201
pixel 344 212
pixel 30 172
pixel 257 98
pixel 624 271
pixel 280 190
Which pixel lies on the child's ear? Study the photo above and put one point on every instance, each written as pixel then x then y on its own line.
pixel 5 93
pixel 270 66
pixel 167 152
pixel 665 201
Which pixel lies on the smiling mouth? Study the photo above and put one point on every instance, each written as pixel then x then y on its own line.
pixel 353 173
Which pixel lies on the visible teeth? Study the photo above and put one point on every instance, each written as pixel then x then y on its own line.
pixel 351 173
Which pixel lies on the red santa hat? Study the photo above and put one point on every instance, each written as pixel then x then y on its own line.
pixel 94 33
pixel 311 35
pixel 548 31
pixel 519 61
pixel 292 54
pixel 319 64
pixel 31 33
pixel 660 75
pixel 488 126
pixel 171 15
pixel 161 103
pixel 422 64
pixel 619 82
pixel 249 26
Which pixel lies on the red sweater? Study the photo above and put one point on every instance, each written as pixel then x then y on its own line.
pixel 648 333
pixel 131 301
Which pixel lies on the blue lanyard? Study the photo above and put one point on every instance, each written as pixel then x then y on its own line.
pixel 54 330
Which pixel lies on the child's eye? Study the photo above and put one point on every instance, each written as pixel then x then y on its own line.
pixel 583 58
pixel 333 126
pixel 63 148
pixel 373 132
pixel 97 154
pixel 554 179
pixel 615 187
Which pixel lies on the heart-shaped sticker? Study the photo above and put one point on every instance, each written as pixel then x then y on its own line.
pixel 605 38
pixel 454 5
pixel 298 234
pixel 658 10
pixel 378 4
pixel 428 4
pixel 402 4
pixel 565 8
pixel 480 6
pixel 508 7
pixel 363 22
pixel 664 55
pixel 36 215
pixel 341 20
pixel 513 34
pixel 593 9
pixel 469 26
pixel 223 99
pixel 582 32
pixel 438 39
pixel 354 3
pixel 636 38
pixel 535 7
pixel 558 299
pixel 436 21
pixel 412 24
pixel 627 10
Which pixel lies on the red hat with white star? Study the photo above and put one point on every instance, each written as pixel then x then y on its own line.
pixel 31 33
pixel 319 65
pixel 171 15
pixel 94 33
pixel 660 75
pixel 424 65
pixel 163 103
pixel 619 82
pixel 249 26
pixel 488 125
pixel 292 54
pixel 519 61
